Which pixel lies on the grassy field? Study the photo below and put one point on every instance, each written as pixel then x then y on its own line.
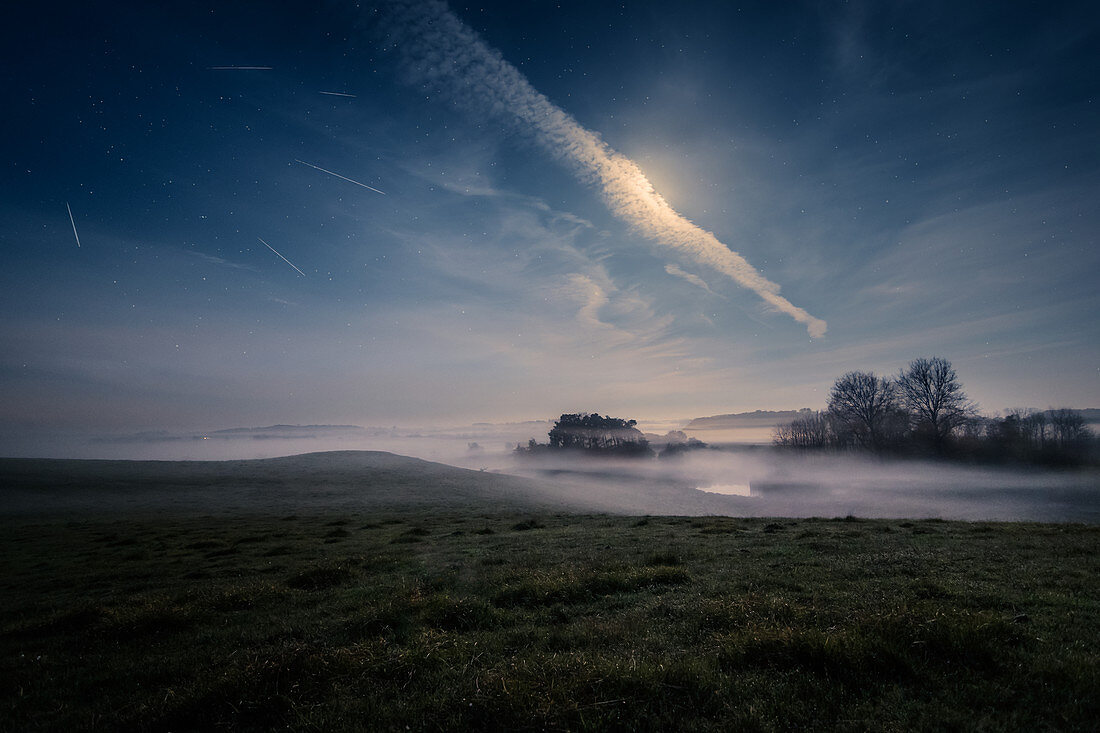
pixel 473 618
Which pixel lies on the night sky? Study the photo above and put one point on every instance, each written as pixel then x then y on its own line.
pixel 784 192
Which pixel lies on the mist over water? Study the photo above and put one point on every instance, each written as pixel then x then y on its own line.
pixel 783 484
pixel 743 479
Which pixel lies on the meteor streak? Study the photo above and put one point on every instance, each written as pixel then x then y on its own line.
pixel 73 222
pixel 284 259
pixel 345 178
pixel 339 94
pixel 239 68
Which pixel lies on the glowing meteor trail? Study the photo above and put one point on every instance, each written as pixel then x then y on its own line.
pixel 73 222
pixel 345 178
pixel 284 259
pixel 339 94
pixel 239 68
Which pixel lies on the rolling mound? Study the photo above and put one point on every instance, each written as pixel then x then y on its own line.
pixel 327 480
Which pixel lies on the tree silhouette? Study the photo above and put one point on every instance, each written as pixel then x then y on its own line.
pixel 1068 429
pixel 593 433
pixel 811 431
pixel 862 406
pixel 933 395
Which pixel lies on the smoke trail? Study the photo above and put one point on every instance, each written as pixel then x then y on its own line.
pixel 441 53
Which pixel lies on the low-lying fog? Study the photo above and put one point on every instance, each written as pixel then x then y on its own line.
pixel 752 480
pixel 765 482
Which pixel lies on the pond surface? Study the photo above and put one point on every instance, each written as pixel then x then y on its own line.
pixel 728 489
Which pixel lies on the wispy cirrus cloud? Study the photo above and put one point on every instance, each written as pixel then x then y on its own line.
pixel 220 261
pixel 677 271
pixel 443 54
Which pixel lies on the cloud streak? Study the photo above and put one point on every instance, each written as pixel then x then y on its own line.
pixel 695 280
pixel 440 52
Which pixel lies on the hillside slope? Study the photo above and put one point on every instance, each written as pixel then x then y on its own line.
pixel 337 479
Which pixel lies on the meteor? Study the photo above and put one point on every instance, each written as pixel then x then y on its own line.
pixel 339 94
pixel 239 68
pixel 73 222
pixel 284 259
pixel 345 178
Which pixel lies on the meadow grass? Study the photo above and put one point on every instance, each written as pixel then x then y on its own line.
pixel 468 619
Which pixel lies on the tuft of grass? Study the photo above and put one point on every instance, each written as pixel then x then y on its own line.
pixel 663 558
pixel 579 587
pixel 322 577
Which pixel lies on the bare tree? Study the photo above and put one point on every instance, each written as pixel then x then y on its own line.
pixel 810 431
pixel 862 404
pixel 1025 427
pixel 1068 428
pixel 933 395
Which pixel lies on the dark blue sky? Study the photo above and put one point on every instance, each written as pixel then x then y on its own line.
pixel 921 177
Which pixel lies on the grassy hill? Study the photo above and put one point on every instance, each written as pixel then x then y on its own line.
pixel 408 595
pixel 319 481
pixel 351 480
pixel 756 418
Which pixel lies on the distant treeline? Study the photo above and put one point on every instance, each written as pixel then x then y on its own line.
pixel 592 433
pixel 924 411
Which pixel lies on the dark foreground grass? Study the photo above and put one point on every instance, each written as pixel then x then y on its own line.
pixel 456 620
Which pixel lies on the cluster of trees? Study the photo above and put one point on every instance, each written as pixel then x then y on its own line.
pixel 591 433
pixel 676 444
pixel 925 410
pixel 1052 436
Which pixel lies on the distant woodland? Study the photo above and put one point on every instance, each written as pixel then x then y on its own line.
pixel 923 410
pixel 593 434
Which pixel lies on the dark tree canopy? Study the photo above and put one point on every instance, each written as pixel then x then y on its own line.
pixel 926 409
pixel 1052 437
pixel 811 431
pixel 591 432
pixel 862 406
pixel 933 395
pixel 1068 428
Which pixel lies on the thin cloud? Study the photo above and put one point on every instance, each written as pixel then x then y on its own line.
pixel 695 280
pixel 617 318
pixel 442 53
pixel 220 261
